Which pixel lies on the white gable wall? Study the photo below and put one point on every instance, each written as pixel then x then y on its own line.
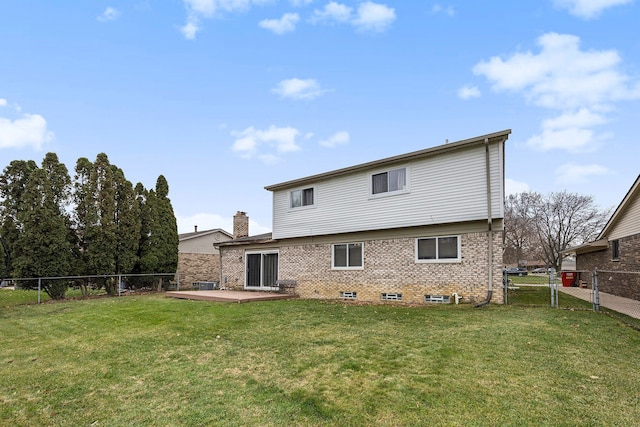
pixel 445 188
pixel 629 222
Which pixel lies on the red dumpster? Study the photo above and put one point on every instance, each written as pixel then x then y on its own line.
pixel 569 278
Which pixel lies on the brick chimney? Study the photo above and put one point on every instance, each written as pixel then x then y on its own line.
pixel 240 225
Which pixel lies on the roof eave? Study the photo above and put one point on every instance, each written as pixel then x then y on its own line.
pixel 428 152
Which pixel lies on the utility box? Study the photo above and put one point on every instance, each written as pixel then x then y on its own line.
pixel 569 278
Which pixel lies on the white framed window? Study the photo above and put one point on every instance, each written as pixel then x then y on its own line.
pixel 347 256
pixel 301 197
pixel 438 249
pixel 392 181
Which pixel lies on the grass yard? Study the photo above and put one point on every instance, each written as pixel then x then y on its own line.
pixel 151 360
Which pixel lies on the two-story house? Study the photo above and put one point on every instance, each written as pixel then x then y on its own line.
pixel 417 227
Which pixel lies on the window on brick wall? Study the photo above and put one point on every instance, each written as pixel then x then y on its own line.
pixel 438 249
pixel 347 256
pixel 615 250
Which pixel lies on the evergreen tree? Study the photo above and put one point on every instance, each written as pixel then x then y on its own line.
pixel 44 238
pixel 128 223
pixel 13 182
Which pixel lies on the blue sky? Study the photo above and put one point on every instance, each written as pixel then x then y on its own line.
pixel 224 97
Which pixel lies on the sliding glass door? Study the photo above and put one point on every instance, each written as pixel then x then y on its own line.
pixel 261 270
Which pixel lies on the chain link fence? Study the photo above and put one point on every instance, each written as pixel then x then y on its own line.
pixel 41 289
pixel 614 292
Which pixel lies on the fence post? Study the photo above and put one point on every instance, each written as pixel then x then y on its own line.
pixel 39 287
pixel 596 292
pixel 553 295
pixel 119 283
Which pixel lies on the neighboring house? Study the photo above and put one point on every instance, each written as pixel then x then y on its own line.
pixel 616 251
pixel 417 227
pixel 198 258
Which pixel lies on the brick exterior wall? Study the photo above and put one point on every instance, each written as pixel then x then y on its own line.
pixel 389 267
pixel 621 277
pixel 198 268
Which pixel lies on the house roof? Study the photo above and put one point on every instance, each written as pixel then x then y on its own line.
pixel 429 152
pixel 194 234
pixel 258 238
pixel 597 245
pixel 633 192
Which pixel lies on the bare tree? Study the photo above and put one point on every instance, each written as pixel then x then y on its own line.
pixel 544 226
pixel 521 238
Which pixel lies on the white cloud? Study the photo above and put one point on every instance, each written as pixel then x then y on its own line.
pixel 588 9
pixel 514 187
pixel 571 139
pixel 299 89
pixel 369 16
pixel 374 17
pixel 468 92
pixel 109 14
pixel 581 84
pixel 570 131
pixel 284 25
pixel 189 30
pixel 447 10
pixel 199 9
pixel 29 130
pixel 338 138
pixel 252 142
pixel 3 102
pixel 561 75
pixel 332 12
pixel 572 173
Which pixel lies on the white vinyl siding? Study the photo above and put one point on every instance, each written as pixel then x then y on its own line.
pixel 629 222
pixel 447 188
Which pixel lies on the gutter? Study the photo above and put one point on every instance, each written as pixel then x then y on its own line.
pixel 489 226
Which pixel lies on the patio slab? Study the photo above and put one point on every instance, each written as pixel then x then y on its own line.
pixel 229 296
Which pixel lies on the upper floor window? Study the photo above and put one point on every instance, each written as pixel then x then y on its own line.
pixel 438 249
pixel 615 250
pixel 347 256
pixel 389 181
pixel 302 197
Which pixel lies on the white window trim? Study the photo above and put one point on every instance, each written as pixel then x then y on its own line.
pixel 333 261
pixel 406 190
pixel 439 261
pixel 304 207
pixel 263 252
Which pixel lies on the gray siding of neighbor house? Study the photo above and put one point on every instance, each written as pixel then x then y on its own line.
pixel 449 187
pixel 198 259
pixel 620 277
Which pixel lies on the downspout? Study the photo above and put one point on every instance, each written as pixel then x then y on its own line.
pixel 489 226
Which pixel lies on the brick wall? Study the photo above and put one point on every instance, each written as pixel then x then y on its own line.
pixel 389 266
pixel 198 268
pixel 621 277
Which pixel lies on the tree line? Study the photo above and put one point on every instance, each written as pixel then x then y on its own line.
pixel 541 227
pixel 96 223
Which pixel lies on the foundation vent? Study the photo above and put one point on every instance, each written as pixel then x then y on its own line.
pixel 348 295
pixel 441 299
pixel 391 297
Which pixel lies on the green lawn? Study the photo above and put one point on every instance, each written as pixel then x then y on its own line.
pixel 151 360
